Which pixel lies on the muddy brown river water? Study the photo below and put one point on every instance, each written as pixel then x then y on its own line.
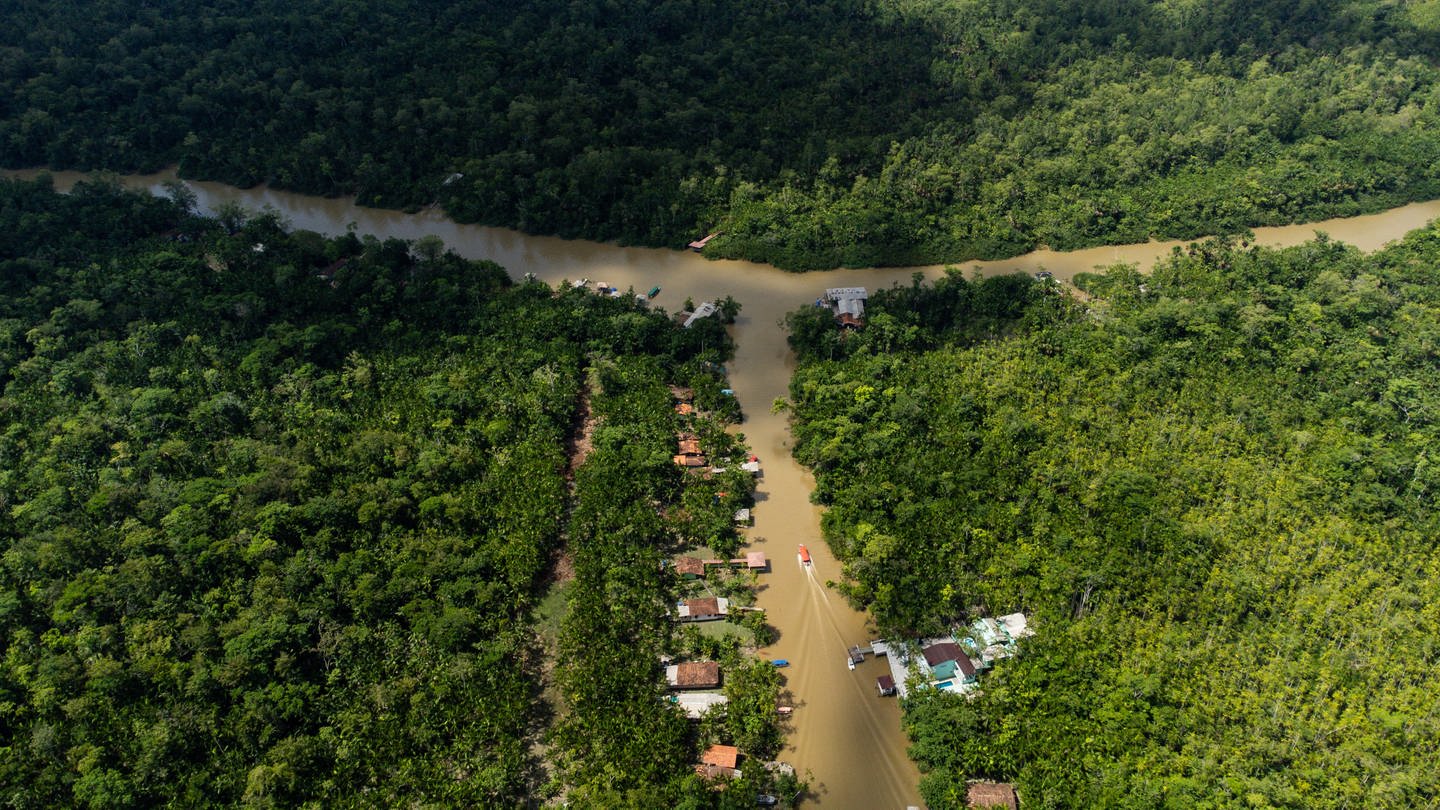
pixel 842 734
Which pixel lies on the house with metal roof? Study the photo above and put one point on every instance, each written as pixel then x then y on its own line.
pixel 885 685
pixel 696 704
pixel 1014 626
pixel 946 661
pixel 938 663
pixel 987 632
pixel 848 304
pixel 951 663
pixel 996 638
pixel 705 310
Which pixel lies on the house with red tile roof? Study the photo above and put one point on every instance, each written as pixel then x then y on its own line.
pixel 704 610
pixel 693 675
pixel 719 760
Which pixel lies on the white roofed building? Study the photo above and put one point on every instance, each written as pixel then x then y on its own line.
pixel 705 310
pixel 848 305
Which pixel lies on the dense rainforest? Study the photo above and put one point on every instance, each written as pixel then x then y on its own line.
pixel 278 509
pixel 1210 486
pixel 813 133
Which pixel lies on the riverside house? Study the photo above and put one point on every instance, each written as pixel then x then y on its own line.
pixel 703 610
pixel 693 675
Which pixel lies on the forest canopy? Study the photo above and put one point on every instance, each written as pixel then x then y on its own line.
pixel 1211 487
pixel 812 134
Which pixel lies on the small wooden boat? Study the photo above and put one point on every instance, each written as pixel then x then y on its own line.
pixel 781 662
pixel 654 291
pixel 785 710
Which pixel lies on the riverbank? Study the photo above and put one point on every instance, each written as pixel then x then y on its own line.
pixel 551 256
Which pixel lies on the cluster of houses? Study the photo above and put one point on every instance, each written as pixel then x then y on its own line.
pixel 951 663
pixel 686 318
pixel 703 675
pixel 690 455
pixel 695 686
pixel 713 608
pixel 597 287
pixel 692 685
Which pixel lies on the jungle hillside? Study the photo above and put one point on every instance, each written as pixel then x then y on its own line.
pixel 811 134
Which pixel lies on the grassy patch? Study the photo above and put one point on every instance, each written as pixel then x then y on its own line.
pixel 550 613
pixel 722 629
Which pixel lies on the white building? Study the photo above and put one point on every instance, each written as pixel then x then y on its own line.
pixel 705 310
pixel 847 301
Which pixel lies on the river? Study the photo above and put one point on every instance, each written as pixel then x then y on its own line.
pixel 842 734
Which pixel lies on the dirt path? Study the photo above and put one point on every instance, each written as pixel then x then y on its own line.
pixel 582 430
pixel 551 610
